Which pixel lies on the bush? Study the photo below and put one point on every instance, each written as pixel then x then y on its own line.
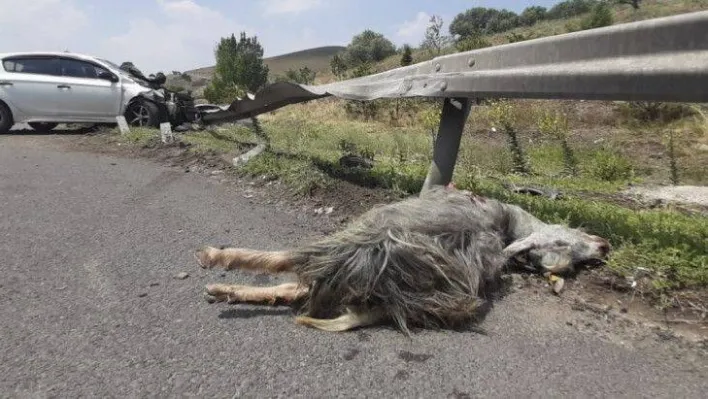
pixel 239 68
pixel 647 111
pixel 611 166
pixel 556 126
pixel 407 56
pixel 481 20
pixel 502 114
pixel 532 15
pixel 570 8
pixel 471 43
pixel 515 37
pixel 368 47
pixel 601 16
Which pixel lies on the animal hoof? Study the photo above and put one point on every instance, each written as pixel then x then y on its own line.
pixel 557 283
pixel 222 293
pixel 203 259
pixel 210 298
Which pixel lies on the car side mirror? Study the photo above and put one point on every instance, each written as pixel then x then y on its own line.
pixel 108 76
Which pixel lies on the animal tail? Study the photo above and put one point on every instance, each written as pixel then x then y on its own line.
pixel 345 322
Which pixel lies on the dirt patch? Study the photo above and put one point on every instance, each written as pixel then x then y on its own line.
pixel 176 154
pixel 687 195
pixel 637 202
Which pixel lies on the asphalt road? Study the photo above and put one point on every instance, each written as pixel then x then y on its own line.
pixel 89 305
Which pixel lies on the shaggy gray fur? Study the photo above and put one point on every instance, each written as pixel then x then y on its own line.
pixel 425 260
pixel 432 260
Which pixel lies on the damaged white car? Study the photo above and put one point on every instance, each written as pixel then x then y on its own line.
pixel 44 89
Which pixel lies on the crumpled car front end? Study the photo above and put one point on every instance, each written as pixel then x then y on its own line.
pixel 176 108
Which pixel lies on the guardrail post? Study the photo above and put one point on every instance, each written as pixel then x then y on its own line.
pixel 447 144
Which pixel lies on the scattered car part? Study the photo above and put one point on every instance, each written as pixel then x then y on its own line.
pixel 43 126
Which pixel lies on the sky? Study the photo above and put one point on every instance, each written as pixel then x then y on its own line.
pixel 167 35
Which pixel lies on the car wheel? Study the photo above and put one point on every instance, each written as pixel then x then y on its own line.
pixel 142 114
pixel 43 126
pixel 5 119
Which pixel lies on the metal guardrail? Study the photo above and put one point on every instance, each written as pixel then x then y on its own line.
pixel 662 59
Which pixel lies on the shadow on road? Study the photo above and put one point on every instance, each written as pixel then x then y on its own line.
pixel 239 313
pixel 64 131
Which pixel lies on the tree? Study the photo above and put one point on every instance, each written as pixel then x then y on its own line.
pixel 304 76
pixel 633 3
pixel 481 20
pixel 502 21
pixel 435 40
pixel 472 22
pixel 338 66
pixel 239 68
pixel 368 47
pixel 532 15
pixel 571 8
pixel 407 56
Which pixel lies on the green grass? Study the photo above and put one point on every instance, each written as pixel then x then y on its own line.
pixel 673 245
pixel 141 136
pixel 221 141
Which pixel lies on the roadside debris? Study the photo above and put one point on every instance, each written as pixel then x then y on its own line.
pixel 324 210
pixel 244 158
pixel 182 276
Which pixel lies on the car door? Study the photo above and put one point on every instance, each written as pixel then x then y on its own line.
pixel 30 84
pixel 87 96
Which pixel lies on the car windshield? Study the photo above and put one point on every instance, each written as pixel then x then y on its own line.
pixel 112 64
pixel 116 67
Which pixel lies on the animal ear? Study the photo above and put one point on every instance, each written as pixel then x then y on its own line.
pixel 522 245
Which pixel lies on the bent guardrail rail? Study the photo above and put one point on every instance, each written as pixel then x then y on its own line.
pixel 662 59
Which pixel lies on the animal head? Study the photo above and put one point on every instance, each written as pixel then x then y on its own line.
pixel 557 248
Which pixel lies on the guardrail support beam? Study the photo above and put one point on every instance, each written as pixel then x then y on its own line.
pixel 447 144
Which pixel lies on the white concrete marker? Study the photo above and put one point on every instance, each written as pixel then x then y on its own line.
pixel 122 124
pixel 166 132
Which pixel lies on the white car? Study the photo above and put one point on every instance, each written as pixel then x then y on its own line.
pixel 44 89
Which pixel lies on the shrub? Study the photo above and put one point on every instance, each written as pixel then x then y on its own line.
pixel 407 56
pixel 471 43
pixel 600 16
pixel 502 114
pixel 556 126
pixel 647 111
pixel 610 166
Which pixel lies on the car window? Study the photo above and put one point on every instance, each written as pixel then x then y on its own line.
pixel 80 69
pixel 35 65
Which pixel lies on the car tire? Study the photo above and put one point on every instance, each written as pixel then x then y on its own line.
pixel 43 126
pixel 6 120
pixel 142 113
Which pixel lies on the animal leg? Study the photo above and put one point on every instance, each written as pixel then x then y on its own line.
pixel 347 321
pixel 284 293
pixel 244 258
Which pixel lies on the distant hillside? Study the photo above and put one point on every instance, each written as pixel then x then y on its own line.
pixel 317 59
